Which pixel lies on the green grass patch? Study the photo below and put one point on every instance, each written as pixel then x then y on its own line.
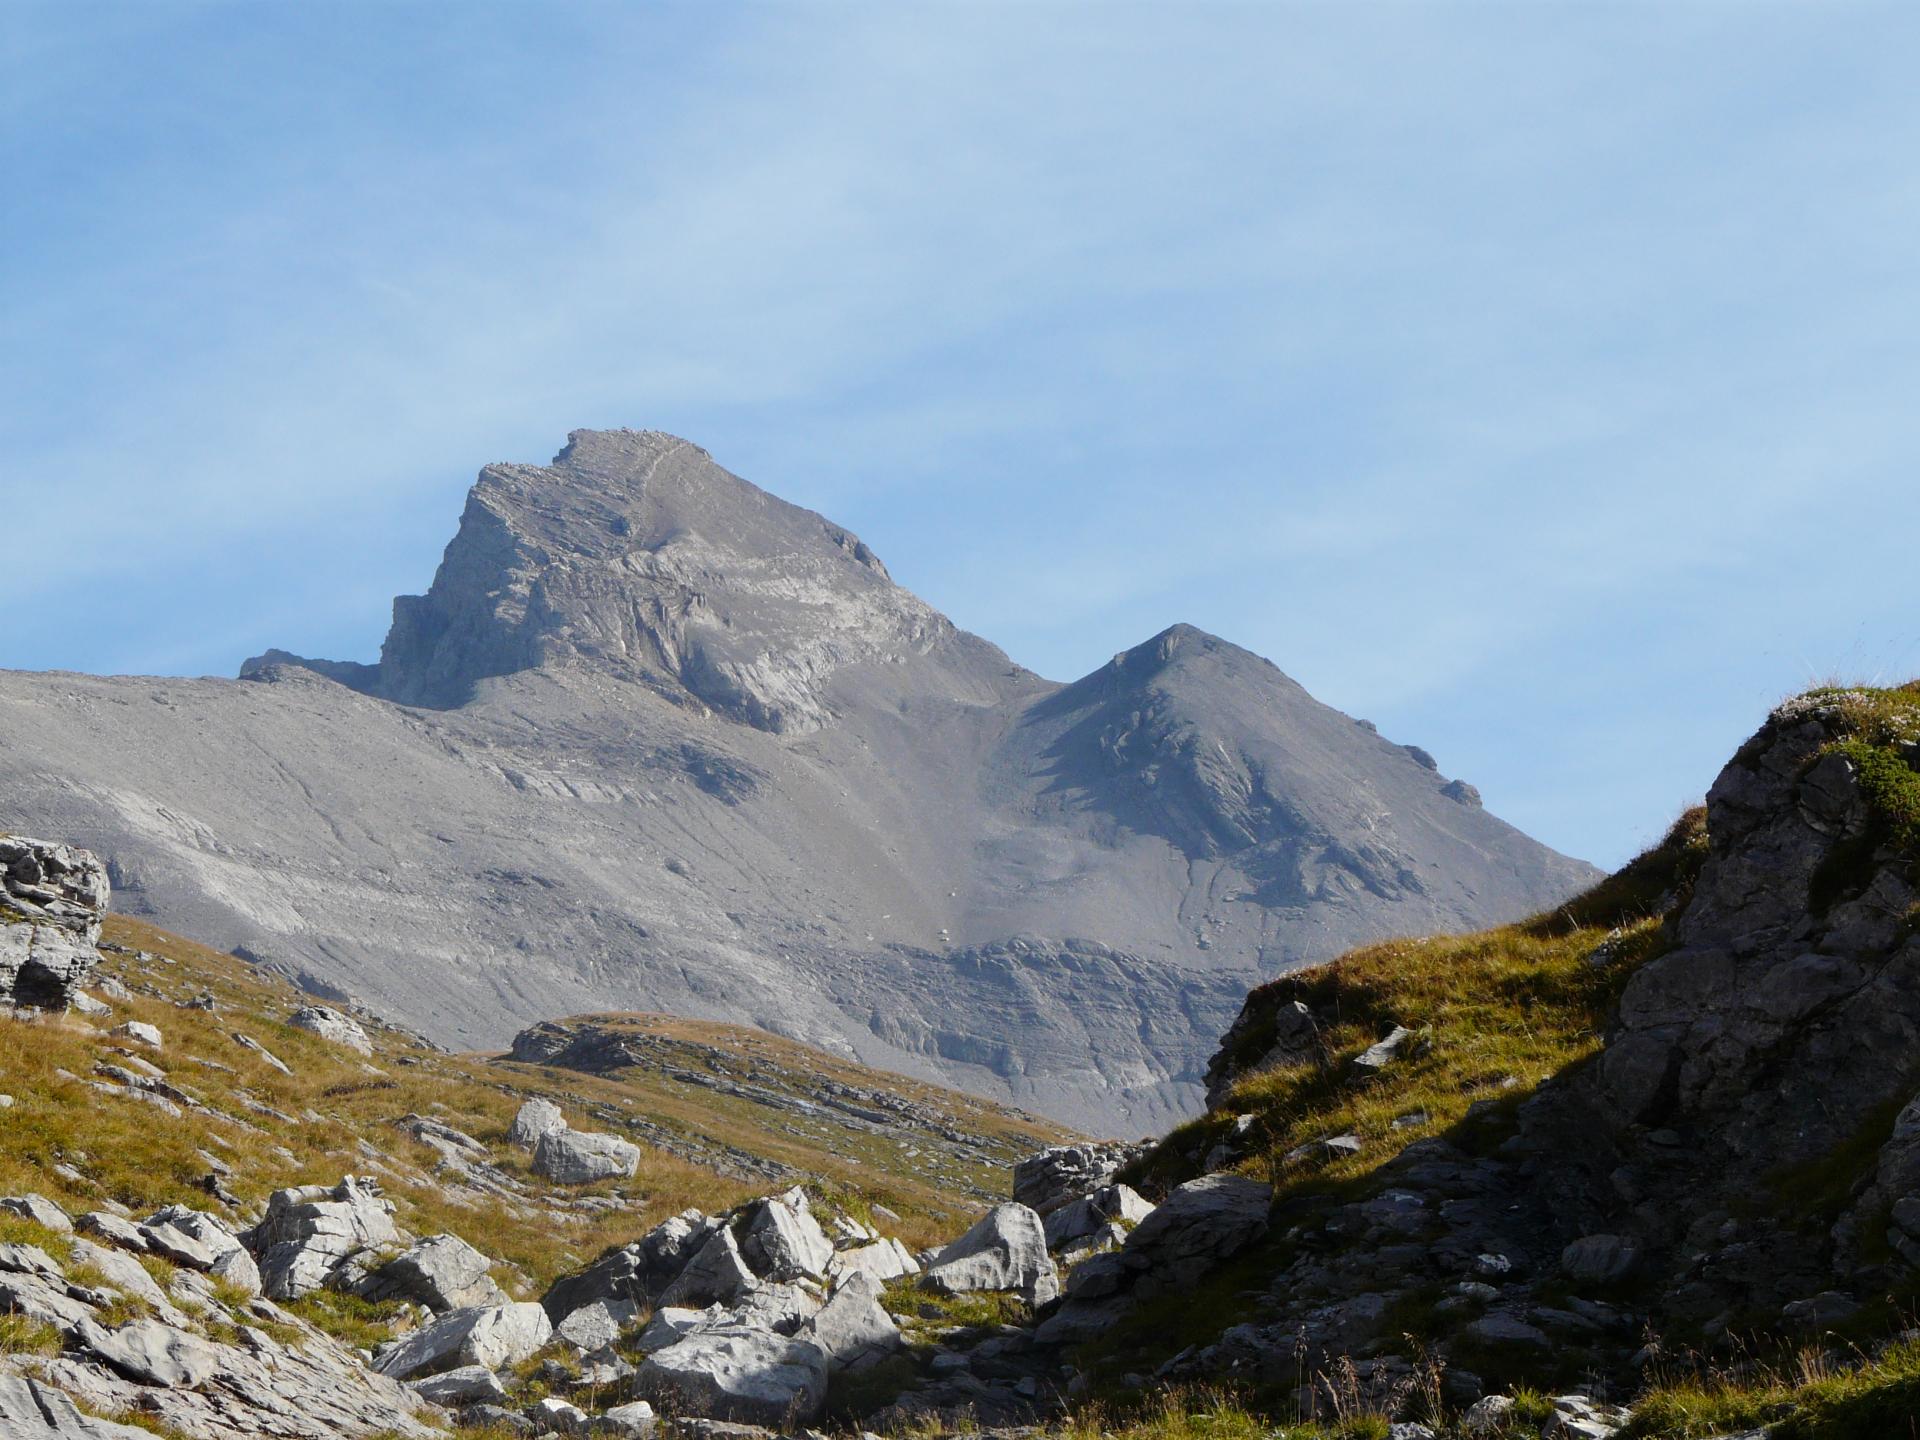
pixel 362 1324
pixel 18 1230
pixel 1809 1398
pixel 20 1335
pixel 977 1309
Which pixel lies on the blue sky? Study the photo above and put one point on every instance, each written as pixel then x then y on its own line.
pixel 1536 380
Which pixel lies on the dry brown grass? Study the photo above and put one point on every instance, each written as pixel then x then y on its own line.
pixel 133 1153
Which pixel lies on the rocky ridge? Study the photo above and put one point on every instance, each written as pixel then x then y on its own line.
pixel 655 740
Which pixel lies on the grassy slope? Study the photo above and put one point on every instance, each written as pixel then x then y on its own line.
pixel 1496 1013
pixel 333 1104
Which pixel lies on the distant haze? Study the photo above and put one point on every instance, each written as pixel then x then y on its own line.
pixel 1534 381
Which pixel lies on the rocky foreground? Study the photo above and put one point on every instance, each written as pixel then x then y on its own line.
pixel 1647 1165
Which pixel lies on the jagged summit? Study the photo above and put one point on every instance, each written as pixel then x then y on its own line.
pixel 654 739
pixel 635 552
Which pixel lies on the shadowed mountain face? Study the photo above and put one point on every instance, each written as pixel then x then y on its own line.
pixel 654 739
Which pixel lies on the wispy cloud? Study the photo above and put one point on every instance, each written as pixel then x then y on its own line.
pixel 1533 379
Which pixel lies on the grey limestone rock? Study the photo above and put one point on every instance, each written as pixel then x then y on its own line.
pixel 637 1273
pixel 1599 1259
pixel 670 1324
pixel 121 1272
pixel 1061 1174
pixel 332 1025
pixel 884 1260
pixel 535 1118
pixel 1006 1249
pixel 494 1336
pixel 782 1240
pixel 38 1209
pixel 462 1385
pixel 308 1234
pixel 442 1272
pixel 853 1329
pixel 966 872
pixel 717 1272
pixel 632 1421
pixel 744 1375
pixel 30 1410
pixel 1201 1224
pixel 1383 1052
pixel 51 899
pixel 179 1243
pixel 140 1033
pixel 598 1325
pixel 1094 1212
pixel 151 1353
pixel 576 1157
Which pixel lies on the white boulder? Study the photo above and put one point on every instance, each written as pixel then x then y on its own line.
pixel 1005 1250
pixel 495 1336
pixel 576 1157
pixel 332 1025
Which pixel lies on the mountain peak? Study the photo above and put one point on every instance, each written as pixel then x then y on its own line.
pixel 636 553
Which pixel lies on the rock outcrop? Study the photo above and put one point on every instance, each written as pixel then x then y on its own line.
pixel 331 1025
pixel 577 1157
pixel 1060 1174
pixel 490 1336
pixel 195 1363
pixel 51 899
pixel 1005 1250
pixel 908 849
pixel 309 1235
pixel 1744 1148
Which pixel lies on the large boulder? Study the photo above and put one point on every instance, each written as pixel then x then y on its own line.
pixel 1201 1224
pixel 717 1274
pixel 745 1375
pixel 152 1353
pixel 462 1385
pixel 576 1157
pixel 853 1329
pixel 598 1325
pixel 494 1336
pixel 51 899
pixel 331 1025
pixel 884 1260
pixel 1053 1177
pixel 782 1241
pixel 309 1233
pixel 442 1272
pixel 536 1117
pixel 1005 1250
pixel 40 1210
